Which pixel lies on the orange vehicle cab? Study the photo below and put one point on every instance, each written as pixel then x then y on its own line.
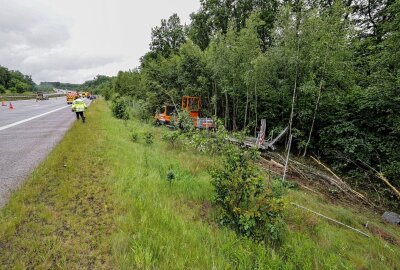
pixel 71 96
pixel 165 115
pixel 193 105
pixel 190 104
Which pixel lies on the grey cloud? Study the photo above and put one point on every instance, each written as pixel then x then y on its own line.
pixel 64 76
pixel 34 41
pixel 30 27
pixel 62 60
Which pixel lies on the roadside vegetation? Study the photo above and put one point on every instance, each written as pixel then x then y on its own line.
pixel 173 199
pixel 14 82
pixel 63 215
pixel 137 196
pixel 327 69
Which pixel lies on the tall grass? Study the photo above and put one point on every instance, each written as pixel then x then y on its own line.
pixel 172 225
pixel 141 220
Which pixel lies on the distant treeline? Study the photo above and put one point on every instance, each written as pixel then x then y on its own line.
pixel 330 70
pixel 60 85
pixel 97 84
pixel 13 81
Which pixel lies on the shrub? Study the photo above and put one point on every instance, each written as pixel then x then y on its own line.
pixel 143 110
pixel 148 138
pixel 106 92
pixel 171 137
pixel 185 122
pixel 2 89
pixel 170 176
pixel 134 137
pixel 245 203
pixel 120 109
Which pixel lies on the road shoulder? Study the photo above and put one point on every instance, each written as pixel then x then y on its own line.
pixel 62 216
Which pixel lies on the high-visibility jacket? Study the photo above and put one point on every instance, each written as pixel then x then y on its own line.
pixel 78 105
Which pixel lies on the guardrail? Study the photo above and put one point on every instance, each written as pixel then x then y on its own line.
pixel 12 98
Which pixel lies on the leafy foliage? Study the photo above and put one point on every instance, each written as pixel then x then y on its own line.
pixel 171 137
pixel 246 204
pixel 170 176
pixel 120 109
pixel 185 122
pixel 134 136
pixel 15 81
pixel 148 138
pixel 336 62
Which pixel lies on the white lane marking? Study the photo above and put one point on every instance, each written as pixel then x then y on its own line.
pixel 31 118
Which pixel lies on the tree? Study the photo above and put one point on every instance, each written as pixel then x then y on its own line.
pixel 167 38
pixel 5 77
pixel 215 16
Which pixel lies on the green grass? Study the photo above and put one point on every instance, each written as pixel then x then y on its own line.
pixel 62 216
pixel 142 221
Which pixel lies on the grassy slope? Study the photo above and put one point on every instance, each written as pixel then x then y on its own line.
pixel 160 225
pixel 63 215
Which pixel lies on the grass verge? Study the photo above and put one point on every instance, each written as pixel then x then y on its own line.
pixel 62 216
pixel 143 221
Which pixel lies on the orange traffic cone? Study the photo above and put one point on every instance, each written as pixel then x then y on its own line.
pixel 3 103
pixel 10 106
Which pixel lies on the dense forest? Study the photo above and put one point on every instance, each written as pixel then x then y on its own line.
pixel 14 81
pixel 328 70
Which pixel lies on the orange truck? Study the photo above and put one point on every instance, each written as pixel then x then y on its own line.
pixel 71 96
pixel 190 104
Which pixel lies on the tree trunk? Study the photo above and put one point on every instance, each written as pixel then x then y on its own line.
pixel 316 104
pixel 216 99
pixel 226 109
pixel 256 105
pixel 297 73
pixel 245 110
pixel 234 114
pixel 313 121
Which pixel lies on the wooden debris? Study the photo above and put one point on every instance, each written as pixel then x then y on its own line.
pixel 287 157
pixel 342 184
pixel 261 135
pixel 313 174
pixel 271 144
pixel 331 219
pixel 310 189
pixel 386 181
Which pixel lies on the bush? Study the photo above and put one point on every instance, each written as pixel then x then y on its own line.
pixel 106 92
pixel 148 138
pixel 21 87
pixel 185 122
pixel 143 110
pixel 245 204
pixel 170 176
pixel 2 89
pixel 171 137
pixel 134 137
pixel 120 109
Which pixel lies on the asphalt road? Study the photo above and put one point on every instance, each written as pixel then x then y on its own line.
pixel 27 134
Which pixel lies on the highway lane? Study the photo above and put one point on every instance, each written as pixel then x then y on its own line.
pixel 24 145
pixel 27 108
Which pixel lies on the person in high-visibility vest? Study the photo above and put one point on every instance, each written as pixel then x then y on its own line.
pixel 79 107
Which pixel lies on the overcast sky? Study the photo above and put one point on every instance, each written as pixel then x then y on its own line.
pixel 74 40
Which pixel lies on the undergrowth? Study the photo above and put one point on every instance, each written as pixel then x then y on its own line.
pixel 152 208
